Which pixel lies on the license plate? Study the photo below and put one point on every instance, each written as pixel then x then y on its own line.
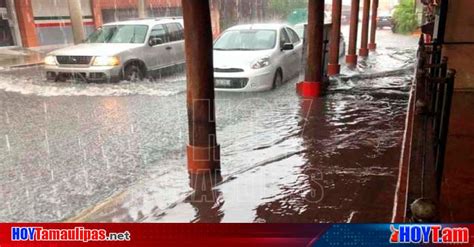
pixel 223 82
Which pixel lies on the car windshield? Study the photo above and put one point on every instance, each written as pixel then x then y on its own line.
pixel 131 34
pixel 246 40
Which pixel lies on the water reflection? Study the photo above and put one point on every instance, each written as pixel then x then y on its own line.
pixel 297 199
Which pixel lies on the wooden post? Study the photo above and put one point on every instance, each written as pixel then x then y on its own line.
pixel 142 9
pixel 77 23
pixel 334 67
pixel 203 150
pixel 311 87
pixel 351 58
pixel 364 50
pixel 373 25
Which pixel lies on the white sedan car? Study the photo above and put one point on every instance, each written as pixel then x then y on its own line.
pixel 259 57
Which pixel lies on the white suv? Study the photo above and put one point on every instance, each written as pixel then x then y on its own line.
pixel 126 50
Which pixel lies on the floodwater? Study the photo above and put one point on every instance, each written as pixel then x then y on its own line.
pixel 116 152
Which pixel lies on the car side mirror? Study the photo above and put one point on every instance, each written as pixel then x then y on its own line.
pixel 155 41
pixel 287 47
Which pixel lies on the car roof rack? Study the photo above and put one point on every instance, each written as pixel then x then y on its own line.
pixel 169 18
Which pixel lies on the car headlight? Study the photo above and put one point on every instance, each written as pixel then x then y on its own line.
pixel 261 63
pixel 50 60
pixel 106 61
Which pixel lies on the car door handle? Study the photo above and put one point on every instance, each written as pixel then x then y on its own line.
pixel 169 48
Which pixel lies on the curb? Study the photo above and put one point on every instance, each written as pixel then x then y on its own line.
pixel 25 65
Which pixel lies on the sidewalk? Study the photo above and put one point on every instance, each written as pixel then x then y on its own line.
pixel 24 57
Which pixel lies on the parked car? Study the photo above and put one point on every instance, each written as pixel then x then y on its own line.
pixel 259 57
pixel 299 28
pixel 126 50
pixel 384 20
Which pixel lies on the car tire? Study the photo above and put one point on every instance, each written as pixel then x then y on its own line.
pixel 133 73
pixel 277 79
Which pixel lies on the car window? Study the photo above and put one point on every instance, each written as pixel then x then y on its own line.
pixel 248 39
pixel 175 31
pixel 293 36
pixel 159 31
pixel 284 38
pixel 119 34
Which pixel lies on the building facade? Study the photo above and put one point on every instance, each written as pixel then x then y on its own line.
pixel 31 23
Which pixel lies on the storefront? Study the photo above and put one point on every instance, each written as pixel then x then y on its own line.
pixel 53 23
pixel 47 22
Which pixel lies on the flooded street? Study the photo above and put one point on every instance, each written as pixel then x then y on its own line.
pixel 116 152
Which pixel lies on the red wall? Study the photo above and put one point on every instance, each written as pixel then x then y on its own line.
pixel 123 4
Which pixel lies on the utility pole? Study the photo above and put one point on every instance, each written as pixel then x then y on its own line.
pixel 77 23
pixel 142 9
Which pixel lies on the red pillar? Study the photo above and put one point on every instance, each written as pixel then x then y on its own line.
pixel 311 87
pixel 351 58
pixel 215 18
pixel 26 23
pixel 203 151
pixel 334 67
pixel 97 13
pixel 364 50
pixel 373 25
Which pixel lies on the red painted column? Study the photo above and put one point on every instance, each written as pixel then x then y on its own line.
pixel 373 25
pixel 203 150
pixel 334 67
pixel 97 13
pixel 215 18
pixel 351 58
pixel 26 23
pixel 364 50
pixel 311 87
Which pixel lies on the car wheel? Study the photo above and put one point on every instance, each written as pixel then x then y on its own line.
pixel 278 79
pixel 133 73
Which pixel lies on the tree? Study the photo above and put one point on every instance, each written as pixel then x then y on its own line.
pixel 404 17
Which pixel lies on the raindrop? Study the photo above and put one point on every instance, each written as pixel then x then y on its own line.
pixel 86 176
pixel 104 156
pixel 7 117
pixel 46 141
pixel 7 140
pixel 45 108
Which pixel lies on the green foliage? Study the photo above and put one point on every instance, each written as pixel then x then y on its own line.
pixel 283 8
pixel 404 17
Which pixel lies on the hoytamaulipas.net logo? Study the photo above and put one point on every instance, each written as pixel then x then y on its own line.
pixel 428 234
pixel 78 234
